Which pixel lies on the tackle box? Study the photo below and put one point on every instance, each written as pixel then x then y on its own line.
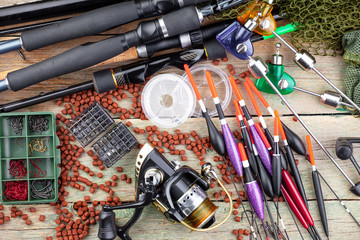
pixel 24 145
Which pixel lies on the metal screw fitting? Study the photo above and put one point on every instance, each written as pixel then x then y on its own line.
pixel 176 164
pixel 331 98
pixel 264 24
pixel 257 67
pixel 277 58
pixel 250 24
pixel 208 171
pixel 304 60
pixel 241 48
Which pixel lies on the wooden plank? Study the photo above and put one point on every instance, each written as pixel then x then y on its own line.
pixel 303 103
pixel 153 224
pixel 5 3
pixel 328 138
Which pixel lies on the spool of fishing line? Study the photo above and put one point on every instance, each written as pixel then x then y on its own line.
pixel 168 100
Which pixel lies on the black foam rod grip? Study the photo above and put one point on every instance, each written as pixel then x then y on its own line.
pixel 92 22
pixel 216 139
pixel 295 173
pixel 151 48
pixel 320 201
pixel 210 31
pixel 294 141
pixel 282 155
pixel 182 20
pixel 70 61
pixel 266 180
pixel 214 49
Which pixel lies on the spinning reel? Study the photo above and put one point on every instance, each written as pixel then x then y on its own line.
pixel 178 192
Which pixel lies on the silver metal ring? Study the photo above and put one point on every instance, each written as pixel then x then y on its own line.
pixel 185 40
pixel 163 27
pixel 181 3
pixel 141 51
pixel 200 15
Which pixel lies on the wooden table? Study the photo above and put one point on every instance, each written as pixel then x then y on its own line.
pixel 328 124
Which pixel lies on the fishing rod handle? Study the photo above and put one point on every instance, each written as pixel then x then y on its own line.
pixel 89 54
pixel 98 21
pixel 192 38
pixel 111 78
pixel 295 172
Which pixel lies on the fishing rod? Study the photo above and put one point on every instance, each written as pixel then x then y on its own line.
pixel 78 58
pixel 132 73
pixel 33 11
pixel 192 38
pixel 300 147
pixel 185 40
pixel 100 20
pixel 216 139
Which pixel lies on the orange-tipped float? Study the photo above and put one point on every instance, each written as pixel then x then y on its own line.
pixel 235 88
pixel 211 84
pixel 192 81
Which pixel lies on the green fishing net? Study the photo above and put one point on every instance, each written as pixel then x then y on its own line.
pixel 351 45
pixel 322 23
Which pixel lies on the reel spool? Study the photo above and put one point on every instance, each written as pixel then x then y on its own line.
pixel 178 192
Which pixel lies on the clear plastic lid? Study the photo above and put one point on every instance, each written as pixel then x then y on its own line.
pixel 167 100
pixel 222 85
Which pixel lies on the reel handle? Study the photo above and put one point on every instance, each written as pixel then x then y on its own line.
pixel 107 227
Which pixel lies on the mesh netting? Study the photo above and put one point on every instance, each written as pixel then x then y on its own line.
pixel 351 45
pixel 351 80
pixel 322 23
pixel 233 13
